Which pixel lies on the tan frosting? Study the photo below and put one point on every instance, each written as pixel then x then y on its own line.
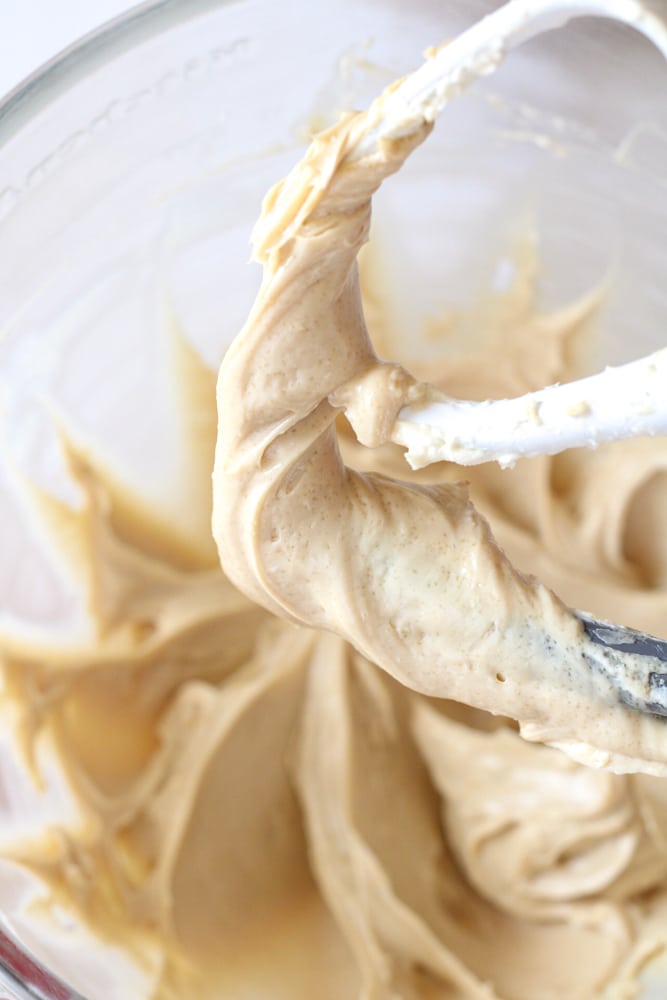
pixel 265 812
pixel 410 575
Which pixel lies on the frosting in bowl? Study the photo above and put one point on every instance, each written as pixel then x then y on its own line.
pixel 277 794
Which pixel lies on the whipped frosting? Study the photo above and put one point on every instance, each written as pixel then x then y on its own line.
pixel 275 793
pixel 261 809
pixel 410 575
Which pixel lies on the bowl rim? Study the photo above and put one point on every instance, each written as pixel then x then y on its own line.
pixel 27 978
pixel 93 50
pixel 24 975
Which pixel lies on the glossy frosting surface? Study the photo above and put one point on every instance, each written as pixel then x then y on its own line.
pixel 261 809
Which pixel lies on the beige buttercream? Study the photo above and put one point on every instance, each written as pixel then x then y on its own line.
pixel 410 575
pixel 262 809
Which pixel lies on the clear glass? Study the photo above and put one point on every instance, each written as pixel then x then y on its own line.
pixel 133 167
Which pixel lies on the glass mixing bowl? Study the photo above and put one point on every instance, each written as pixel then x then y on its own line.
pixel 131 170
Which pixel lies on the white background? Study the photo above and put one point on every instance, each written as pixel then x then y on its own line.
pixel 32 31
